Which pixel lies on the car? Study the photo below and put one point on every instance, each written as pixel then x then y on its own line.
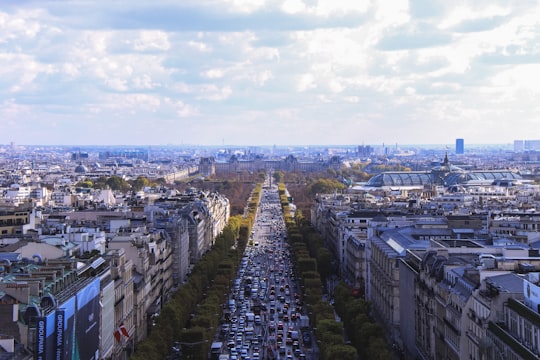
pixel 306 338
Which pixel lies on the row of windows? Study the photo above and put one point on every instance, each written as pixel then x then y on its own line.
pixel 523 329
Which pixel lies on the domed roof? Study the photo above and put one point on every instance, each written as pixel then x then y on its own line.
pixel 81 169
pixel 446 166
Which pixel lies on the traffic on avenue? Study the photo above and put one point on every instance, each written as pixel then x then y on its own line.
pixel 264 317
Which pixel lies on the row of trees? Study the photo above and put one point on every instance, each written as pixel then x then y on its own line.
pixel 234 189
pixel 366 335
pixel 119 183
pixel 193 313
pixel 314 263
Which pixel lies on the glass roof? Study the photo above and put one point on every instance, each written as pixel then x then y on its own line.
pixel 401 179
pixel 413 178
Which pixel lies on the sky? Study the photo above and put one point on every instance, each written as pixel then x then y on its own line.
pixel 274 72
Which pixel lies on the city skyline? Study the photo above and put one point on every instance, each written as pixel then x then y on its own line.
pixel 284 72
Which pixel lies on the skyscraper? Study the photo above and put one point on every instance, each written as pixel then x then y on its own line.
pixel 460 146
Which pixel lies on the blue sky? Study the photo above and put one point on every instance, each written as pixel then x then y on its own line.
pixel 256 72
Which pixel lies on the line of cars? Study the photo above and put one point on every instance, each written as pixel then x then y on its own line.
pixel 264 317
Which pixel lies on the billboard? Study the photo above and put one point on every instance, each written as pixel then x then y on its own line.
pixel 41 336
pixel 65 332
pixel 59 325
pixel 107 320
pixel 532 295
pixel 87 322
pixel 45 336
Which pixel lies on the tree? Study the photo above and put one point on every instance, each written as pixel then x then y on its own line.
pixel 342 352
pixel 322 186
pixel 377 350
pixel 117 183
pixel 140 183
pixel 278 176
pixel 85 184
pixel 324 262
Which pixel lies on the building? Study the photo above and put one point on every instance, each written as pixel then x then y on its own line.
pixel 16 220
pixel 446 175
pixel 460 146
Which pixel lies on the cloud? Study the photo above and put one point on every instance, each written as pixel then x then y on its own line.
pixel 381 70
pixel 477 25
pixel 422 35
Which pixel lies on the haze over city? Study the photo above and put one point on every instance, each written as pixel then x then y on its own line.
pixel 279 72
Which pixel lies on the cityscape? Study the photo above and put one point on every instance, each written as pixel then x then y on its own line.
pixel 269 180
pixel 98 241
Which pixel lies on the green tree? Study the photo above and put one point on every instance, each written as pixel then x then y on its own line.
pixel 322 186
pixel 324 262
pixel 85 184
pixel 377 350
pixel 140 183
pixel 117 183
pixel 342 352
pixel 278 176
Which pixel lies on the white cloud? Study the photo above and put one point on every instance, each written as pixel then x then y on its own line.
pixel 244 6
pixel 306 82
pixel 200 46
pixel 152 40
pixel 262 77
pixel 213 73
pixel 518 79
pixel 373 64
pixel 341 7
pixel 293 6
pixel 213 92
pixel 465 12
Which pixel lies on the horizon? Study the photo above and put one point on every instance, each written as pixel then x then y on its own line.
pixel 446 147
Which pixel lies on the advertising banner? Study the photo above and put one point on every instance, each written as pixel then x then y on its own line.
pixel 68 339
pixel 41 338
pixel 59 324
pixel 87 322
pixel 532 295
pixel 45 336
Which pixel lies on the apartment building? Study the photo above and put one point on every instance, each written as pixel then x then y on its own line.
pixel 522 227
pixel 16 220
pixel 144 256
pixel 440 271
pixel 44 298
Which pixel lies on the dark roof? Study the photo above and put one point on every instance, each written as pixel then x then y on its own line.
pixel 422 178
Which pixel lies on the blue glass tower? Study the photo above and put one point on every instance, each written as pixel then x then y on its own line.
pixel 460 146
